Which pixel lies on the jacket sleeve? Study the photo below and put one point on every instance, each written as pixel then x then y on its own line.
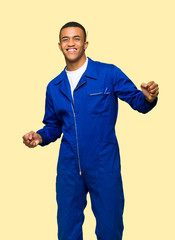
pixel 53 127
pixel 126 90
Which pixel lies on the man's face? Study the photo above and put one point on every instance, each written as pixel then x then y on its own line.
pixel 72 43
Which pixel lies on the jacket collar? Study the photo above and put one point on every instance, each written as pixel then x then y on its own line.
pixel 90 72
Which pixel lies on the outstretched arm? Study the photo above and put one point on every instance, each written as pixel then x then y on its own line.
pixel 52 129
pixel 142 101
pixel 53 126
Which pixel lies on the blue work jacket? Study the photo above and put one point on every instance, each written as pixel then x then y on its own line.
pixel 88 120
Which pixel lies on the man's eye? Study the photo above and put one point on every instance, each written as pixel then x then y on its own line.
pixel 77 39
pixel 64 39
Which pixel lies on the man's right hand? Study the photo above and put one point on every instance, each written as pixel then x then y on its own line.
pixel 32 139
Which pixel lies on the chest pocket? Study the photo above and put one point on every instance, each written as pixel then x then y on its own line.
pixel 99 102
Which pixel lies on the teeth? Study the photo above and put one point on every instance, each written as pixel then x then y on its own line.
pixel 71 50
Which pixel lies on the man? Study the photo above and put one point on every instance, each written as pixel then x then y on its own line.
pixel 82 103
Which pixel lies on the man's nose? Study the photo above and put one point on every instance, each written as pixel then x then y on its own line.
pixel 71 42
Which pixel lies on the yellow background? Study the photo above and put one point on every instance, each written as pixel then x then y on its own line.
pixel 138 37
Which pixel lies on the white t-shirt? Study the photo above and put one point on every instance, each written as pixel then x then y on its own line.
pixel 74 76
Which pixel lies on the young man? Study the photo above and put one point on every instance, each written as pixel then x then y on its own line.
pixel 82 103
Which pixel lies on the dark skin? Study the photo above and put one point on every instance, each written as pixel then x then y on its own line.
pixel 73 46
pixel 150 90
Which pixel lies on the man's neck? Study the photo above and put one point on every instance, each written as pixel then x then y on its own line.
pixel 72 66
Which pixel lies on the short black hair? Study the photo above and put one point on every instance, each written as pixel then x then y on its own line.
pixel 73 24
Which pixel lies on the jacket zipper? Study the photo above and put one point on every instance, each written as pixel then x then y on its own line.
pixel 76 139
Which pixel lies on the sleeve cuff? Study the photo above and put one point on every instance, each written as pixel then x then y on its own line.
pixel 44 141
pixel 149 105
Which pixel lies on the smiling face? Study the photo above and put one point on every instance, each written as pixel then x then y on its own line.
pixel 73 45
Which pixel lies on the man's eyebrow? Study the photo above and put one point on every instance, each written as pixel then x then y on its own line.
pixel 65 37
pixel 68 37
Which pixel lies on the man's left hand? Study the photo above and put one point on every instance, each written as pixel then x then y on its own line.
pixel 150 90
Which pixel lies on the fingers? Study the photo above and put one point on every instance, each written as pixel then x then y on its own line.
pixel 151 87
pixel 31 144
pixel 31 135
pixel 155 94
pixel 144 85
pixel 150 90
pixel 149 84
pixel 29 139
pixel 28 136
pixel 153 90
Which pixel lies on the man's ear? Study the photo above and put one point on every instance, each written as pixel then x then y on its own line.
pixel 86 45
pixel 59 45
